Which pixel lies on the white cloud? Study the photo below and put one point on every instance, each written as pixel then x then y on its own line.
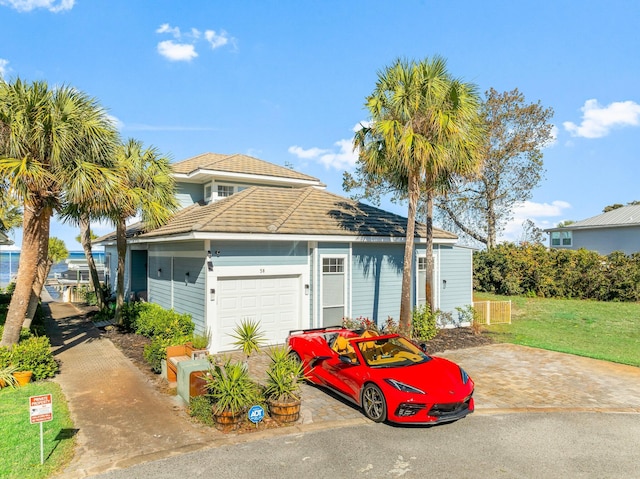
pixel 3 67
pixel 116 122
pixel 177 52
pixel 166 28
pixel 184 48
pixel 216 40
pixel 544 215
pixel 28 5
pixel 341 158
pixel 597 120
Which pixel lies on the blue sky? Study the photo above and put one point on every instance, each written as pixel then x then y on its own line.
pixel 286 81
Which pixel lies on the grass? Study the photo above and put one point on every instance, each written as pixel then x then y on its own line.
pixel 596 329
pixel 20 444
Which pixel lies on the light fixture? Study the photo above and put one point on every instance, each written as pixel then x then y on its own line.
pixel 159 272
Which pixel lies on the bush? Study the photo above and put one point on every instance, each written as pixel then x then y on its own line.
pixel 200 408
pixel 423 323
pixel 156 350
pixel 153 321
pixel 34 354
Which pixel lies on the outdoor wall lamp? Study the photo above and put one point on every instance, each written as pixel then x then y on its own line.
pixel 444 284
pixel 186 278
pixel 159 272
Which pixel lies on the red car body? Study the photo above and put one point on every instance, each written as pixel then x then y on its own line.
pixel 388 376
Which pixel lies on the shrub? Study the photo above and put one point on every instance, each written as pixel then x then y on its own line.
pixel 153 320
pixel 200 408
pixel 34 354
pixel 423 323
pixel 156 350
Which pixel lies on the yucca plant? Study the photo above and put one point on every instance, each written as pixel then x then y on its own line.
pixel 6 376
pixel 283 376
pixel 231 389
pixel 248 336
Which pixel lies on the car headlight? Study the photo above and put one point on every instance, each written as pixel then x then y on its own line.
pixel 404 387
pixel 464 376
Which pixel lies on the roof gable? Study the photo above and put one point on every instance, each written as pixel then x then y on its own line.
pixel 624 216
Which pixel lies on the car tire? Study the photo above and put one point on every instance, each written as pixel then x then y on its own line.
pixel 373 403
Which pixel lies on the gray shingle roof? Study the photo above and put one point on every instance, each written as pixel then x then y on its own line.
pixel 624 216
pixel 237 163
pixel 290 211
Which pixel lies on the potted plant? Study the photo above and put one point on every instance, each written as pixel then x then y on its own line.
pixel 282 389
pixel 232 391
pixel 199 345
pixel 7 377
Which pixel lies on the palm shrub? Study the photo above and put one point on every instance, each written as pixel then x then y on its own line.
pixel 248 336
pixel 231 389
pixel 284 376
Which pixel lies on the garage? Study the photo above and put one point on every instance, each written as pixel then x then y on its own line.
pixel 274 301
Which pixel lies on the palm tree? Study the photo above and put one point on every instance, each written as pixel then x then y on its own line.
pixel 45 134
pixel 146 189
pixel 425 130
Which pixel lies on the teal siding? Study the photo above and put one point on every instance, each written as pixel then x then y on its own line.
pixel 189 193
pixel 252 253
pixel 138 272
pixel 160 281
pixel 377 281
pixel 456 266
pixel 189 290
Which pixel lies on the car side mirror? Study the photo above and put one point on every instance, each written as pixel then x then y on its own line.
pixel 423 346
pixel 345 359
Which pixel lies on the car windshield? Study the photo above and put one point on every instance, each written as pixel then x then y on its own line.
pixel 391 352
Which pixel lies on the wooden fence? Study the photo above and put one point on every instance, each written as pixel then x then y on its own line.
pixel 493 312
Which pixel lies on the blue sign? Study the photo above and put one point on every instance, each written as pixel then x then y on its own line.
pixel 256 414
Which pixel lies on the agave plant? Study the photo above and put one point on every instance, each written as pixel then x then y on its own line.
pixel 283 376
pixel 248 336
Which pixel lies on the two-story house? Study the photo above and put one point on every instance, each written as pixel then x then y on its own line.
pixel 260 241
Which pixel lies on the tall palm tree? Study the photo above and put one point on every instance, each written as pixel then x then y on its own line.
pixel 147 190
pixel 425 129
pixel 44 134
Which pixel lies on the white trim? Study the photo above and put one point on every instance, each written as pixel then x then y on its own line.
pixel 247 178
pixel 346 266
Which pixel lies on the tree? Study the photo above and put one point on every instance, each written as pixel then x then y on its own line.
pixel 57 252
pixel 516 135
pixel 46 136
pixel 618 205
pixel 146 189
pixel 424 129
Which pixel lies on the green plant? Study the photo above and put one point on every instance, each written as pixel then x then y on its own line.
pixel 6 376
pixel 284 375
pixel 201 341
pixel 248 336
pixel 153 320
pixel 156 350
pixel 231 389
pixel 34 354
pixel 423 323
pixel 200 408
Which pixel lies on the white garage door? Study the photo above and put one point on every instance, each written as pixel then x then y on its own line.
pixel 273 301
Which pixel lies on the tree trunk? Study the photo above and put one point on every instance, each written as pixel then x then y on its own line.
pixel 35 226
pixel 121 241
pixel 428 284
pixel 85 239
pixel 404 323
pixel 41 277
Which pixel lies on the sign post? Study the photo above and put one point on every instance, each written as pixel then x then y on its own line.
pixel 41 410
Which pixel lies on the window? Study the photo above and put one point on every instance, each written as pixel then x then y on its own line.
pixel 561 238
pixel 333 265
pixel 224 191
pixel 207 192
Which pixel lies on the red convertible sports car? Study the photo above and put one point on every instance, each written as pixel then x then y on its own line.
pixel 388 376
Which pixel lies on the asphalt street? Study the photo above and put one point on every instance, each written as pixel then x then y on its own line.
pixel 525 445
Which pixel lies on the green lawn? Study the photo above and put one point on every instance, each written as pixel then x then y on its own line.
pixel 601 330
pixel 20 444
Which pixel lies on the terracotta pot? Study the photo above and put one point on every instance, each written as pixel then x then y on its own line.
pixel 227 420
pixel 284 411
pixel 23 377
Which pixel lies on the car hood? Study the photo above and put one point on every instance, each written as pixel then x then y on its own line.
pixel 437 377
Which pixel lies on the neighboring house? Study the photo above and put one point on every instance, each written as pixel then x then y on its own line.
pixel 4 239
pixel 616 230
pixel 260 241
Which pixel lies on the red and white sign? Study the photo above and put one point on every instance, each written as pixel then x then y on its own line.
pixel 41 408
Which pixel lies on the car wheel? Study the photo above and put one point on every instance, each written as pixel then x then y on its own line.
pixel 373 403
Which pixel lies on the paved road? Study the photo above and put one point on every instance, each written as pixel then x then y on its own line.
pixel 529 445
